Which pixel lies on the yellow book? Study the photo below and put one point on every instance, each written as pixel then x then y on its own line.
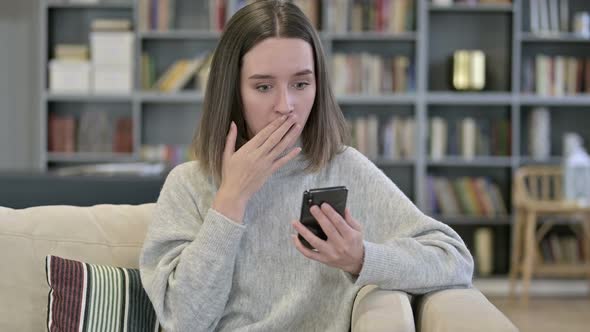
pixel 165 79
pixel 169 82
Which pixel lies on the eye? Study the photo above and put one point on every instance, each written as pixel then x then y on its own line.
pixel 263 88
pixel 301 85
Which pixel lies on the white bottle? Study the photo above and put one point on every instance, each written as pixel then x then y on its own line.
pixel 576 172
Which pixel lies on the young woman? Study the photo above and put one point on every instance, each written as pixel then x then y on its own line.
pixel 222 252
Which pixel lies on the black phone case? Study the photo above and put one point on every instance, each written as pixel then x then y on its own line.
pixel 335 196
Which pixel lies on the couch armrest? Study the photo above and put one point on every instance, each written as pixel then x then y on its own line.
pixel 459 310
pixel 381 310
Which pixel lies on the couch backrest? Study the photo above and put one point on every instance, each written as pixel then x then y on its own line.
pixel 102 234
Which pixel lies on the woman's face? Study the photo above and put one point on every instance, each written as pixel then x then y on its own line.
pixel 277 77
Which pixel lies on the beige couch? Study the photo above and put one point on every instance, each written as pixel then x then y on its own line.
pixel 113 234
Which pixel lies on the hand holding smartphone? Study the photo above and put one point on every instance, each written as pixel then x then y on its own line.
pixel 334 196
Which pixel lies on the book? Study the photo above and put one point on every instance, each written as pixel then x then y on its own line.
pixel 534 16
pixel 564 15
pixel 468 138
pixel 179 74
pixel 123 140
pixel 61 133
pixel 553 16
pixel 539 134
pixel 106 25
pixel 544 26
pixel 484 251
pixel 438 138
pixel 71 52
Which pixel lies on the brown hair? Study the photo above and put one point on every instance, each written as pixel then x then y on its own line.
pixel 325 132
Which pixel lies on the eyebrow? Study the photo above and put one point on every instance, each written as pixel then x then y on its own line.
pixel 266 76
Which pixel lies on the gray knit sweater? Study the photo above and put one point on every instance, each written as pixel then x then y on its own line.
pixel 204 272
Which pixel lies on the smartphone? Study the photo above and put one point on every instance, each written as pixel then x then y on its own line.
pixel 335 196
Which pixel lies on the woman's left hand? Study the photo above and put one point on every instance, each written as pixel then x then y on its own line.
pixel 343 249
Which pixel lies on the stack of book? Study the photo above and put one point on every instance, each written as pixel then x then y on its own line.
pixel 549 16
pixel 311 9
pixel 469 137
pixel 371 74
pixel 386 16
pixel 390 139
pixel 562 249
pixel 93 132
pixel 177 75
pixel 62 133
pixel 123 138
pixel 160 15
pixel 112 42
pixel 70 70
pixel 473 196
pixel 556 75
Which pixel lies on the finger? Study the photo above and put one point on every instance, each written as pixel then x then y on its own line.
pixel 316 256
pixel 351 221
pixel 276 137
pixel 286 141
pixel 326 225
pixel 285 159
pixel 265 133
pixel 311 238
pixel 337 220
pixel 230 141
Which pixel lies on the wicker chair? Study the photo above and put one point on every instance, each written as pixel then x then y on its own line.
pixel 538 192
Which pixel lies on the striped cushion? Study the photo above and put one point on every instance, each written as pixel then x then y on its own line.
pixel 88 297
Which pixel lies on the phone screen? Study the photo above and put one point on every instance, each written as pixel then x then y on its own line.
pixel 335 196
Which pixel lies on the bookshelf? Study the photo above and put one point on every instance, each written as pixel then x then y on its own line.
pixel 502 31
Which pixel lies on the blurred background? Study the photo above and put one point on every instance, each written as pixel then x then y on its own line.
pixel 479 110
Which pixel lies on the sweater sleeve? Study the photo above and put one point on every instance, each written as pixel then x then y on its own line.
pixel 188 258
pixel 405 249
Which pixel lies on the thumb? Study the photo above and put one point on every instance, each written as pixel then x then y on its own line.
pixel 230 141
pixel 351 221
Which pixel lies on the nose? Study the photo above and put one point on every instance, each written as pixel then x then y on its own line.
pixel 284 104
